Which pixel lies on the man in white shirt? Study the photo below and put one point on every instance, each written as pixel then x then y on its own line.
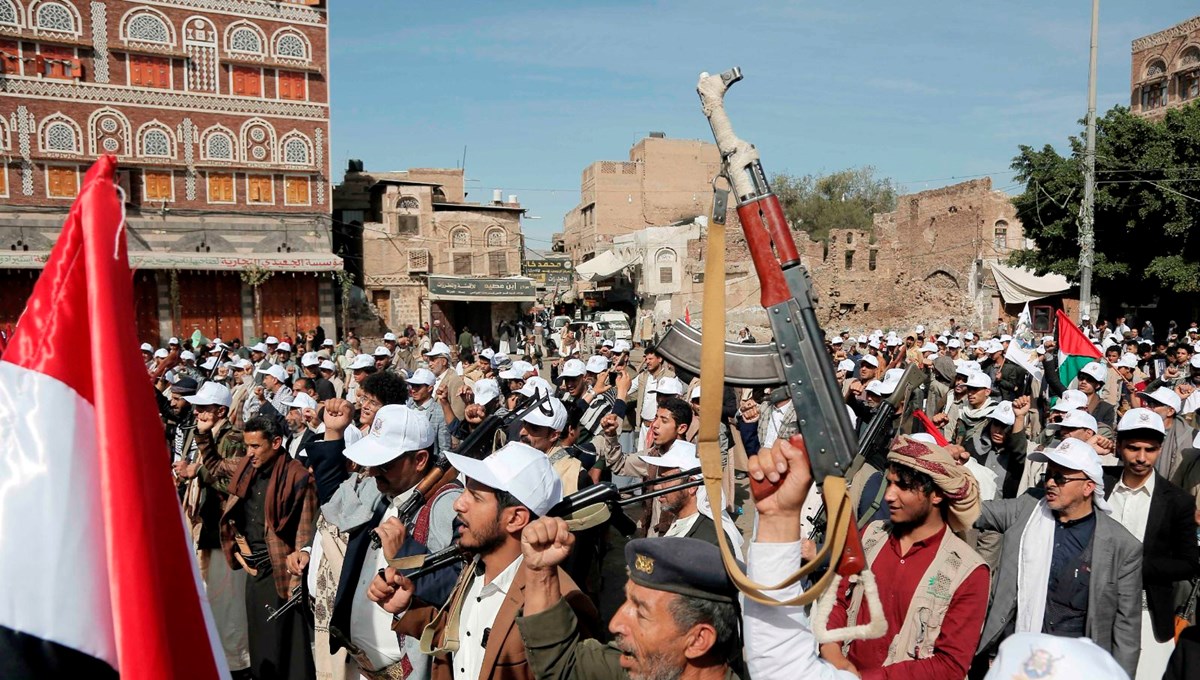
pixel 446 378
pixel 691 508
pixel 420 390
pixel 645 386
pixel 505 492
pixel 1160 515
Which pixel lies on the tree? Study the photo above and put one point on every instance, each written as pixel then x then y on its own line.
pixel 846 199
pixel 1147 201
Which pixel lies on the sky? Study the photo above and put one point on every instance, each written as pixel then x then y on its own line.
pixel 929 93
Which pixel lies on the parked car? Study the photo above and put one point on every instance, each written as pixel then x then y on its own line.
pixel 617 322
pixel 558 322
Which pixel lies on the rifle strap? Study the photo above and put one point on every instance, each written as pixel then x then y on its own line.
pixel 712 388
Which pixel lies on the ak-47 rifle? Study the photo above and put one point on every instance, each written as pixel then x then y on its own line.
pixel 1185 612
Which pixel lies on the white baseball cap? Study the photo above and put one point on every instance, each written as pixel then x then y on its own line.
pixel 1127 360
pixel 362 361
pixel 669 385
pixel 621 346
pixel 328 342
pixel 969 336
pixel 845 365
pixel 161 353
pixel 695 392
pixel 517 371
pixel 389 336
pixel 1095 370
pixel 1074 454
pixel 1075 419
pixel 272 340
pixel 993 347
pixel 1195 360
pixel 1005 338
pixel 876 387
pixel 244 364
pixel 597 364
pixel 979 379
pixel 259 347
pixel 551 414
pixel 870 360
pixel 186 355
pixel 310 359
pixel 1141 419
pixel 1076 657
pixel 1003 413
pixel 1163 395
pixel 954 343
pixel 328 365
pixel 422 376
pixel 173 341
pixel 837 340
pixel 607 343
pixel 942 339
pixel 147 347
pixel 284 347
pixel 968 368
pixel 210 394
pixel 275 371
pixel 485 390
pixel 487 353
pixel 209 364
pixel 920 328
pixel 396 430
pixel 1070 401
pixel 301 400
pixel 381 351
pixel 536 386
pixel 573 368
pixel 517 468
pixel 681 455
pixel 929 347
pixel 439 349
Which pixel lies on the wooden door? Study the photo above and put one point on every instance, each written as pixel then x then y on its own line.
pixel 210 302
pixel 290 305
pixel 145 306
pixel 17 285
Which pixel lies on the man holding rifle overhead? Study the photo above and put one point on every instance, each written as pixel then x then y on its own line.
pixel 474 636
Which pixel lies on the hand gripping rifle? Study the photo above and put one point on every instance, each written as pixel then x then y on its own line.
pixel 787 296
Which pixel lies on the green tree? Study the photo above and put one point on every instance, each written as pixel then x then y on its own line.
pixel 841 200
pixel 1147 201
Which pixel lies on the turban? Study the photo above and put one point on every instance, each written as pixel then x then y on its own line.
pixel 954 481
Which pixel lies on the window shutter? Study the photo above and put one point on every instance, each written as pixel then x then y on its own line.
pixel 284 83
pixel 55 180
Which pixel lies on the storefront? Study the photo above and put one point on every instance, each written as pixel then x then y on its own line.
pixel 478 303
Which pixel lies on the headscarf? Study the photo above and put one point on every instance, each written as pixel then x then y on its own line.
pixel 954 481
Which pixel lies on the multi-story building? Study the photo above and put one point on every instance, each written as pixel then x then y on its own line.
pixel 664 181
pixel 218 114
pixel 424 254
pixel 1165 69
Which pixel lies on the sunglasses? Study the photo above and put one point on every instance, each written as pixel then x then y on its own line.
pixel 1060 479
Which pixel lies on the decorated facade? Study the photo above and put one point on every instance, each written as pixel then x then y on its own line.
pixel 218 114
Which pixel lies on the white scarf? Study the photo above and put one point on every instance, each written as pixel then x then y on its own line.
pixel 1033 569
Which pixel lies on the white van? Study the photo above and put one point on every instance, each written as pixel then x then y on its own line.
pixel 617 322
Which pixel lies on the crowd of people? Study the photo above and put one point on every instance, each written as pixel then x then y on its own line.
pixel 1012 523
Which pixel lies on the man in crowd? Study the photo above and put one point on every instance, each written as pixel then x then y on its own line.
pixel 300 415
pixel 505 492
pixel 360 367
pixel 1178 436
pixel 420 390
pixel 273 391
pixel 542 428
pixel 1092 378
pixel 446 377
pixel 693 513
pixel 270 515
pixel 644 386
pixel 932 631
pixel 1161 516
pixel 1066 567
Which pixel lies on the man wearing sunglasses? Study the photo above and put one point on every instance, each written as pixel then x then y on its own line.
pixel 1066 567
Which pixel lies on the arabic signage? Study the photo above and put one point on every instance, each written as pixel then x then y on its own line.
pixel 547 273
pixel 314 262
pixel 481 290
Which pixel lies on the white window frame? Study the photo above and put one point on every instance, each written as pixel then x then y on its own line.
pixel 207 187
pixel 288 70
pixel 262 79
pixel 310 190
pixel 129 72
pixel 4 180
pixel 46 180
pixel 260 174
pixel 171 173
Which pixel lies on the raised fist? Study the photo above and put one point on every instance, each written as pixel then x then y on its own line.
pixel 546 542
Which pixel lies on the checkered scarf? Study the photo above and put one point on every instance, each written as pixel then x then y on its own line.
pixel 954 481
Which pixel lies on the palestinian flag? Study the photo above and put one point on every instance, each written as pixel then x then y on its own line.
pixel 97 573
pixel 1074 349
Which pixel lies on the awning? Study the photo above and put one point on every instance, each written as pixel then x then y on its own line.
pixel 285 262
pixel 468 289
pixel 1018 285
pixel 603 266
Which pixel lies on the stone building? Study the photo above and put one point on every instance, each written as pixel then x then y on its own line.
pixel 423 254
pixel 218 114
pixel 664 181
pixel 1165 69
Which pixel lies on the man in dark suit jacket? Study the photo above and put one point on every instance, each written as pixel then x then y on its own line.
pixel 1161 515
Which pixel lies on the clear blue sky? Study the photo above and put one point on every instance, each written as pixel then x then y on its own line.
pixel 927 92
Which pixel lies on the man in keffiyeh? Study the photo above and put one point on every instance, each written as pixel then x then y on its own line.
pixel 936 585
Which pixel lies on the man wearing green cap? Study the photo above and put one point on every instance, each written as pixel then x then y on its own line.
pixel 680 617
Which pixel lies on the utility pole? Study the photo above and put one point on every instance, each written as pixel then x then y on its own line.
pixel 1087 210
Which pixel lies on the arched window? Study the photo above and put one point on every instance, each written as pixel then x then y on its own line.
pixel 1155 68
pixel 53 16
pixel 1189 79
pixel 148 28
pixel 218 147
pixel 291 45
pixel 460 238
pixel 258 141
pixel 496 238
pixel 1000 236
pixel 408 204
pixel 295 151
pixel 1190 57
pixel 61 138
pixel 665 259
pixel 8 13
pixel 155 142
pixel 245 38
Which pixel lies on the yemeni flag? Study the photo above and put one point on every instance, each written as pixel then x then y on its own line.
pixel 1074 349
pixel 97 578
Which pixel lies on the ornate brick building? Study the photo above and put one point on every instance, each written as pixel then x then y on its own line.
pixel 1165 69
pixel 218 113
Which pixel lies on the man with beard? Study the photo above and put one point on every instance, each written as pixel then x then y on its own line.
pixel 1000 446
pixel 270 515
pixel 301 411
pixel 937 586
pixel 691 508
pixel 181 430
pixel 973 415
pixel 679 618
pixel 273 392
pixel 542 428
pixel 504 493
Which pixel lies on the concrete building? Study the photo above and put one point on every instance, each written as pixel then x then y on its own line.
pixel 1165 69
pixel 423 254
pixel 664 181
pixel 218 114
